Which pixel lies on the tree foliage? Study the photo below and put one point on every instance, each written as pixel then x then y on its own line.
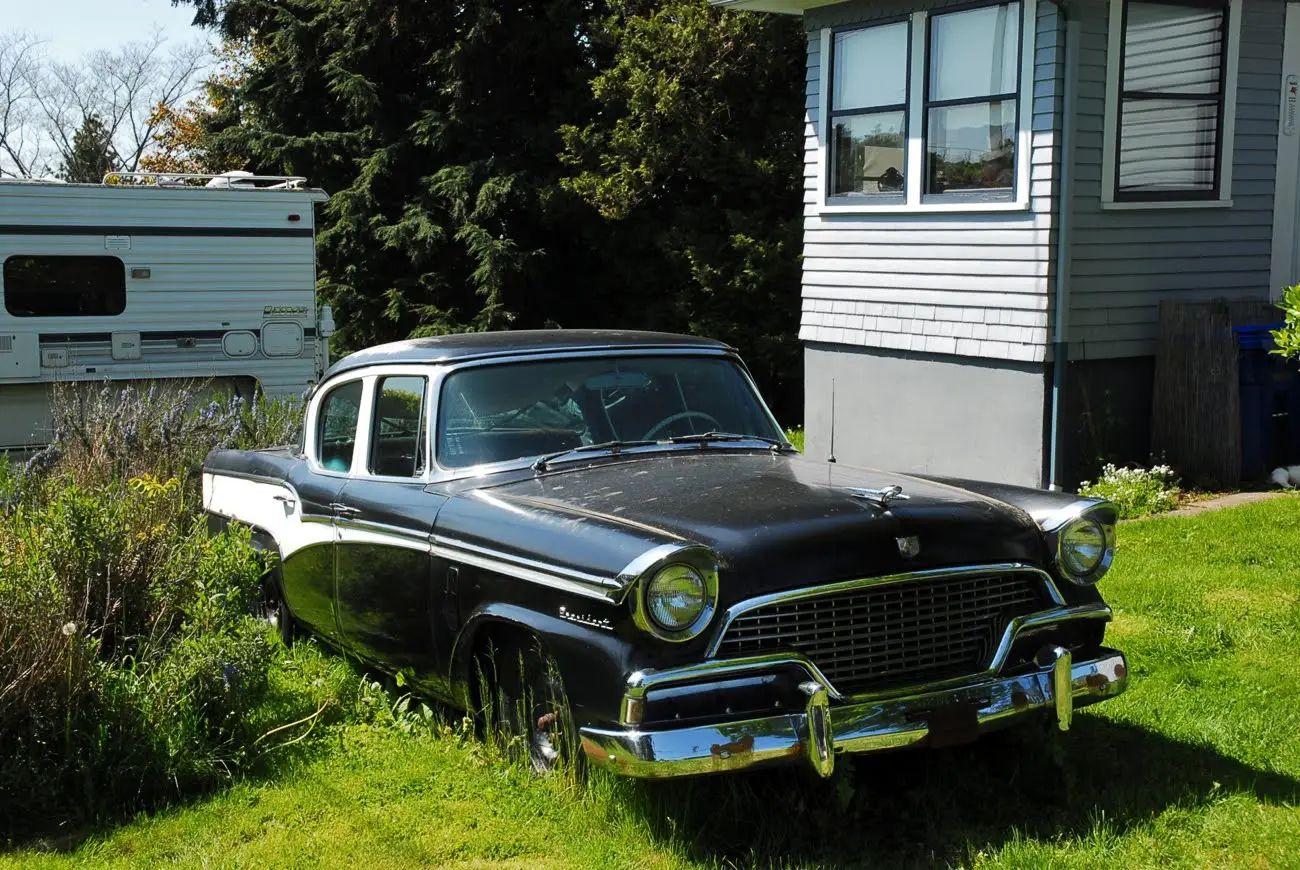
pixel 91 155
pixel 570 163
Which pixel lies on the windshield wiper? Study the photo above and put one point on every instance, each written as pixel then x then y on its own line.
pixel 612 446
pixel 720 437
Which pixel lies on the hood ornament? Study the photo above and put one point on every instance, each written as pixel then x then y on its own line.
pixel 880 497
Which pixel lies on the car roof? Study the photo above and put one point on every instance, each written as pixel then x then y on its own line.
pixel 480 345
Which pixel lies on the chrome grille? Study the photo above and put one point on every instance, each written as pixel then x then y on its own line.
pixel 908 631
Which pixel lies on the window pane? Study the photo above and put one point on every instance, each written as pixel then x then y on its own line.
pixel 867 153
pixel 1168 145
pixel 64 286
pixel 870 67
pixel 1173 49
pixel 510 411
pixel 975 53
pixel 972 147
pixel 398 437
pixel 337 428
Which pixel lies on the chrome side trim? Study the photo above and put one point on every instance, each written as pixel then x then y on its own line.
pixel 396 535
pixel 863 726
pixel 568 580
pixel 743 607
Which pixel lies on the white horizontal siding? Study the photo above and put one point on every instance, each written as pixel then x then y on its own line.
pixel 1126 262
pixel 964 284
pixel 91 205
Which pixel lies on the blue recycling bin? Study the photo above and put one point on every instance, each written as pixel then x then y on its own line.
pixel 1270 402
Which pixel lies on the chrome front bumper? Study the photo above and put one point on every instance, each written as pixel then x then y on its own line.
pixel 823 729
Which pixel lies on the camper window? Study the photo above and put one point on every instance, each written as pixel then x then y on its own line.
pixel 64 286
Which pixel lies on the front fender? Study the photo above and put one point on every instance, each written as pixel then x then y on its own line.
pixel 593 662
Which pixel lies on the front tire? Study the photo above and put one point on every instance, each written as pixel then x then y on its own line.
pixel 527 703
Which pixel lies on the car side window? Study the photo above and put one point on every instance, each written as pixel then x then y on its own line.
pixel 398 435
pixel 336 426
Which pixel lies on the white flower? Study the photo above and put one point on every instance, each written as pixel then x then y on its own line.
pixel 69 629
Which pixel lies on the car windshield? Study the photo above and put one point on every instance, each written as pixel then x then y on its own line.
pixel 497 413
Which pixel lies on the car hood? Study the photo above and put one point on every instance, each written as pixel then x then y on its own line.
pixel 775 521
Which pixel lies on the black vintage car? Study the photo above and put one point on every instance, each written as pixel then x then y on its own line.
pixel 620 515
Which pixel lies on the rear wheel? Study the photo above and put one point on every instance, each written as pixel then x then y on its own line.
pixel 271 608
pixel 527 704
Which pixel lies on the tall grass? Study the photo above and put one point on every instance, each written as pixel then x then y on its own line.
pixel 131 669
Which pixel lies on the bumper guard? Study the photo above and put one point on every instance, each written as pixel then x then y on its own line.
pixel 822 729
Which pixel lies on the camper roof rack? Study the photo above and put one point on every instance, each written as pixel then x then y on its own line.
pixel 236 180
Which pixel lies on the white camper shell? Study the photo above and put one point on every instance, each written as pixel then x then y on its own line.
pixel 153 277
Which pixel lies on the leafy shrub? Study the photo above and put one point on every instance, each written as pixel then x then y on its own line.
pixel 1288 337
pixel 131 669
pixel 128 657
pixel 1138 492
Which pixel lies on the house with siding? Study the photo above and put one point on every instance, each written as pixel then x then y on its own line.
pixel 999 195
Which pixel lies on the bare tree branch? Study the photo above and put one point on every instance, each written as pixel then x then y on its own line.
pixel 21 56
pixel 44 103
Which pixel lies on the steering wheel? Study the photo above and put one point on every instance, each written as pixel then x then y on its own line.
pixel 673 418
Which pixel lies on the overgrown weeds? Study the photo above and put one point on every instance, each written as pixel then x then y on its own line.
pixel 131 669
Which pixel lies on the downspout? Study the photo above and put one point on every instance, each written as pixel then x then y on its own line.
pixel 1061 291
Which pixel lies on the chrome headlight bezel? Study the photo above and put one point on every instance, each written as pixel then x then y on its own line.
pixel 1103 517
pixel 702 563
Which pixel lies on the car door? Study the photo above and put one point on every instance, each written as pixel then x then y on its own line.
pixel 384 586
pixel 309 566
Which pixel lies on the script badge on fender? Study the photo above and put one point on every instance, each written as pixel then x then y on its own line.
pixel 909 547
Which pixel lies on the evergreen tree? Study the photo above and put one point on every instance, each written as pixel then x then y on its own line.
pixel 91 156
pixel 481 159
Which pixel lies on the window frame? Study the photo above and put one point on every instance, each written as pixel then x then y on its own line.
pixel 1000 194
pixel 918 71
pixel 317 421
pixel 377 390
pixel 1221 194
pixel 4 286
pixel 905 107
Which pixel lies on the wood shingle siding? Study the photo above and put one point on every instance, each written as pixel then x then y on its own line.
pixel 972 284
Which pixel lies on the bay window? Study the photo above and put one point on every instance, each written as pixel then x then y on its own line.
pixel 925 112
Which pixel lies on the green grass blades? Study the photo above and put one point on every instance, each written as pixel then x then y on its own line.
pixel 1198 765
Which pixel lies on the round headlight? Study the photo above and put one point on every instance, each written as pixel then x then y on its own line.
pixel 675 597
pixel 1083 548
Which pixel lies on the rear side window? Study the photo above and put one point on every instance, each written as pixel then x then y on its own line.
pixel 64 286
pixel 336 427
pixel 399 438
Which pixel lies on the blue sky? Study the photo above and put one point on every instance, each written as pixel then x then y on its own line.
pixel 70 28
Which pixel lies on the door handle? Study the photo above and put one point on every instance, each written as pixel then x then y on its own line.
pixel 343 510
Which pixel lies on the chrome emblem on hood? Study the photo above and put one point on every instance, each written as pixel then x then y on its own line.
pixel 909 547
pixel 881 497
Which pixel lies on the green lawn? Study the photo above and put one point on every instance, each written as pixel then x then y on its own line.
pixel 1198 765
